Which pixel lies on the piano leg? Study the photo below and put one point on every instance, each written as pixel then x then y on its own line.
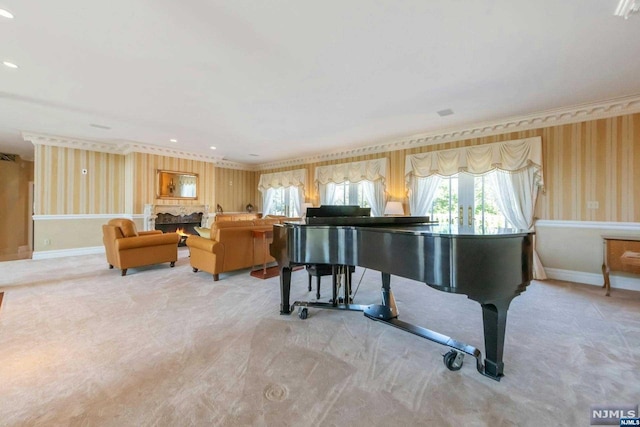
pixel 285 290
pixel 494 319
pixel 387 310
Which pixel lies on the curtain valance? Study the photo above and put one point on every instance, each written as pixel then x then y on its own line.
pixel 292 178
pixel 369 170
pixel 507 156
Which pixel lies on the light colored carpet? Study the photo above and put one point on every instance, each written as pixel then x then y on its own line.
pixel 80 345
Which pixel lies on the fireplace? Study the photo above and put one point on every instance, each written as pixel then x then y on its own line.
pixel 176 218
pixel 181 224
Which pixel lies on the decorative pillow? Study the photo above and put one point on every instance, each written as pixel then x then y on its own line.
pixel 204 232
pixel 127 227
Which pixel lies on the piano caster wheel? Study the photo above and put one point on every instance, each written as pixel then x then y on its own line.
pixel 453 360
pixel 303 313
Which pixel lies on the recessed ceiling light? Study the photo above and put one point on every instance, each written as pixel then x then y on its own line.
pixel 212 147
pixel 254 155
pixel 446 112
pixel 9 64
pixel 6 14
pixel 173 140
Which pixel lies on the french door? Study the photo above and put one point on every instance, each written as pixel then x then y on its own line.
pixel 468 201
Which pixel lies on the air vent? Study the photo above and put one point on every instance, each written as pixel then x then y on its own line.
pixel 8 157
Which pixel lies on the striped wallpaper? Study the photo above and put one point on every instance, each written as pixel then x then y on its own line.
pixel 62 188
pixel 592 161
pixel 235 189
pixel 145 186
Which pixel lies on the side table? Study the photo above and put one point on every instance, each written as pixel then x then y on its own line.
pixel 265 235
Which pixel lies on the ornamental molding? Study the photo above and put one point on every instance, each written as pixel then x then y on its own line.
pixel 559 116
pixel 554 117
pixel 151 212
pixel 124 148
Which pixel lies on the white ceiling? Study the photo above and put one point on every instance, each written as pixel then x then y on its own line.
pixel 285 79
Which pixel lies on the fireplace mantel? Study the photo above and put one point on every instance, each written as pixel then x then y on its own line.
pixel 151 213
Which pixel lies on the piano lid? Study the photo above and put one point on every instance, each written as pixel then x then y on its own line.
pixel 338 210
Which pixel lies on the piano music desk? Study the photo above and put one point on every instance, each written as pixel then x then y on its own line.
pixel 621 253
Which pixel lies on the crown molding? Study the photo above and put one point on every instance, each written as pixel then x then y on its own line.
pixel 124 148
pixel 554 117
pixel 559 116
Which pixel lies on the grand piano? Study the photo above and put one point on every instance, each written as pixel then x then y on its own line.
pixel 490 267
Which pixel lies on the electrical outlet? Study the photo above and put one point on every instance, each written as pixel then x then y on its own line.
pixel 593 204
pixel 47 242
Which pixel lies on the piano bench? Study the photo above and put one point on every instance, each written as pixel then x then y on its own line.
pixel 319 270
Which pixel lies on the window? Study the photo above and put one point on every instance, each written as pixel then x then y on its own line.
pixel 282 192
pixel 358 183
pixel 283 201
pixel 348 193
pixel 468 200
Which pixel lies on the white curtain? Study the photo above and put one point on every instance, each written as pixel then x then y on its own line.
pixel 187 186
pixel 371 174
pixel 520 162
pixel 509 156
pixel 374 195
pixel 297 199
pixel 293 180
pixel 517 200
pixel 267 201
pixel 327 193
pixel 422 191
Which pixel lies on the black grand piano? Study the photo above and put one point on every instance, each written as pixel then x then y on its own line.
pixel 491 268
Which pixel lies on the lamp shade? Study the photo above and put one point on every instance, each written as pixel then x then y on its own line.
pixel 394 208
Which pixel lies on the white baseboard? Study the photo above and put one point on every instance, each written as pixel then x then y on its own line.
pixel 68 252
pixel 619 282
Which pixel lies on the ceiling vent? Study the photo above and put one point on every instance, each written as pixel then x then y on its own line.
pixel 8 157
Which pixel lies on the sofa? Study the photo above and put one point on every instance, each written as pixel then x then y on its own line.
pixel 231 246
pixel 126 247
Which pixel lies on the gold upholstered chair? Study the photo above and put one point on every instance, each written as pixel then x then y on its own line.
pixel 127 247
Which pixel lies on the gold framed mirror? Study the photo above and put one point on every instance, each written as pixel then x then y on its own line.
pixel 177 185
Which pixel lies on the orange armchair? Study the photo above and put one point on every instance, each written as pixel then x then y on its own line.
pixel 126 248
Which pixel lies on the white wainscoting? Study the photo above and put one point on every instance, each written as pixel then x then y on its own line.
pixel 71 235
pixel 573 251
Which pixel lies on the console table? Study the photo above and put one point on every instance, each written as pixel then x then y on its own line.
pixel 621 253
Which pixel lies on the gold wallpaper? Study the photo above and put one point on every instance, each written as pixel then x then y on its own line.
pixel 62 188
pixel 144 180
pixel 235 189
pixel 593 161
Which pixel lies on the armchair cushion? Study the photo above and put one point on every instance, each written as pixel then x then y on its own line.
pixel 126 226
pixel 204 232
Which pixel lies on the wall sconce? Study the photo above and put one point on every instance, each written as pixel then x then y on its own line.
pixel 171 186
pixel 393 208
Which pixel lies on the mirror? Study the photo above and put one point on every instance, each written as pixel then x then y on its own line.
pixel 177 185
